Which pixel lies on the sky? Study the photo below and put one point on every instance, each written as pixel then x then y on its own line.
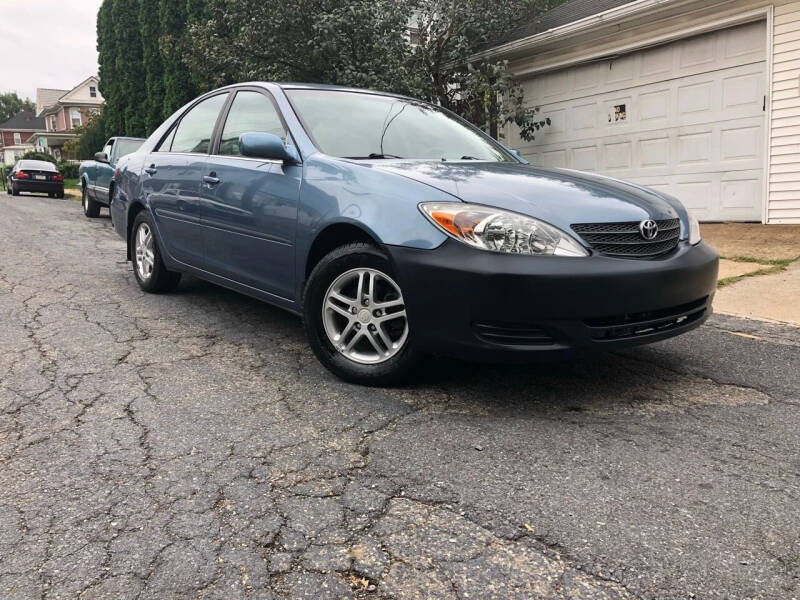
pixel 47 43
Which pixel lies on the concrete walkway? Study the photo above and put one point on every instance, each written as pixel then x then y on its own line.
pixel 767 297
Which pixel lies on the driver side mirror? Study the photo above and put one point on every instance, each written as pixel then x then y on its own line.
pixel 266 145
pixel 101 157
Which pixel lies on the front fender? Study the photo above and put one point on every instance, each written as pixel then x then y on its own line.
pixel 383 205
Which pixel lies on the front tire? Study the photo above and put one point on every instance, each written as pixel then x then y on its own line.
pixel 355 319
pixel 90 208
pixel 148 266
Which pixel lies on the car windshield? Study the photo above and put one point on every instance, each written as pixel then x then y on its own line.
pixel 369 126
pixel 125 147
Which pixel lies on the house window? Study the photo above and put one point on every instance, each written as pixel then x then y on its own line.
pixel 75 117
pixel 52 122
pixel 17 139
pixel 93 91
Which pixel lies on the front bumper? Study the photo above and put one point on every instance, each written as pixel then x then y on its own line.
pixel 42 187
pixel 480 305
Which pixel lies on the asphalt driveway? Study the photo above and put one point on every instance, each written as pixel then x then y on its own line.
pixel 189 446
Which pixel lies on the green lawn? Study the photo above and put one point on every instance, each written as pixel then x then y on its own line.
pixel 71 184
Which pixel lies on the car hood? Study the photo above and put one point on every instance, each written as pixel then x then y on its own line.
pixel 558 196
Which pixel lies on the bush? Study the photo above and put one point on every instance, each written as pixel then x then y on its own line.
pixel 68 169
pixel 33 155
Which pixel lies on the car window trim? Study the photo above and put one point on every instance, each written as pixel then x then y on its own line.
pixel 271 98
pixel 178 121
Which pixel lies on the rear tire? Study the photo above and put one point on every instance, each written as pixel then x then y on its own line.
pixel 363 336
pixel 148 266
pixel 14 191
pixel 90 208
pixel 60 194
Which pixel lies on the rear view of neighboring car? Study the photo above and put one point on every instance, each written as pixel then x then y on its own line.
pixel 37 176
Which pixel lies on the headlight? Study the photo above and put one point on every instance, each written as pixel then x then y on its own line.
pixel 694 230
pixel 498 230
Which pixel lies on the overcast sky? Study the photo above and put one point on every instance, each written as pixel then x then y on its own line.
pixel 47 43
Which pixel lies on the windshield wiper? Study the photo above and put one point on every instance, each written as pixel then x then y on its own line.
pixel 372 155
pixel 465 157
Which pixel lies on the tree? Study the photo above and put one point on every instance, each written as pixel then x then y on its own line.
pixel 91 138
pixel 363 44
pixel 129 68
pixel 150 30
pixel 450 34
pixel 176 18
pixel 110 83
pixel 349 42
pixel 11 104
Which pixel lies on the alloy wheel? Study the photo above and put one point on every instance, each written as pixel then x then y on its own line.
pixel 364 316
pixel 145 256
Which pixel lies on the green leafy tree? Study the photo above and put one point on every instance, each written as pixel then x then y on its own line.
pixel 349 42
pixel 153 64
pixel 176 17
pixel 129 67
pixel 91 138
pixel 11 104
pixel 449 34
pixel 110 82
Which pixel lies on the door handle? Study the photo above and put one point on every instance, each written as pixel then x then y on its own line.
pixel 211 180
pixel 151 170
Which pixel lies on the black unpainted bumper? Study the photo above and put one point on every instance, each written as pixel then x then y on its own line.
pixel 480 305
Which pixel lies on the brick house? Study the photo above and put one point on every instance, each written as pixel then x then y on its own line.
pixel 15 135
pixel 63 111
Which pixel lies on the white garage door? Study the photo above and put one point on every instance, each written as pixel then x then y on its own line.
pixel 686 118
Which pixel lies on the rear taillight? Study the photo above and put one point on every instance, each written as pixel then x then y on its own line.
pixel 22 175
pixel 58 177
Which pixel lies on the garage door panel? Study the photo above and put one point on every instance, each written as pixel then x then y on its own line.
pixel 745 90
pixel 654 153
pixel 744 43
pixel 585 158
pixel 741 143
pixel 693 121
pixel 654 106
pixel 739 193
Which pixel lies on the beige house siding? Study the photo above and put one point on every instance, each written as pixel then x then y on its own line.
pixel 783 195
pixel 649 23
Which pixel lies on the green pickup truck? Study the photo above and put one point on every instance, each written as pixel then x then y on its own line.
pixel 97 176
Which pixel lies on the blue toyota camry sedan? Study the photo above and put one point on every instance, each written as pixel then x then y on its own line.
pixel 396 230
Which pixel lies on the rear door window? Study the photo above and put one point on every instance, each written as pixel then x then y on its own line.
pixel 196 128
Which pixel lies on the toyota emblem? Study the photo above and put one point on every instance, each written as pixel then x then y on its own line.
pixel 649 229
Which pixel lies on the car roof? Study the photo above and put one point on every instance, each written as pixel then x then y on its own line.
pixel 336 88
pixel 42 165
pixel 293 85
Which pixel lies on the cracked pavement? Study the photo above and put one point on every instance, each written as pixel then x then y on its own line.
pixel 190 446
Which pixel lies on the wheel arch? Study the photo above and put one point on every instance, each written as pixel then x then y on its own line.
pixel 331 237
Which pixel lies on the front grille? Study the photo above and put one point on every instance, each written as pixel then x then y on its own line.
pixel 510 334
pixel 646 323
pixel 624 239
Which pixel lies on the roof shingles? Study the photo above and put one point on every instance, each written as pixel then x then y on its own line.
pixel 566 13
pixel 24 120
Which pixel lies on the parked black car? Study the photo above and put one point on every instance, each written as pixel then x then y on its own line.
pixel 37 176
